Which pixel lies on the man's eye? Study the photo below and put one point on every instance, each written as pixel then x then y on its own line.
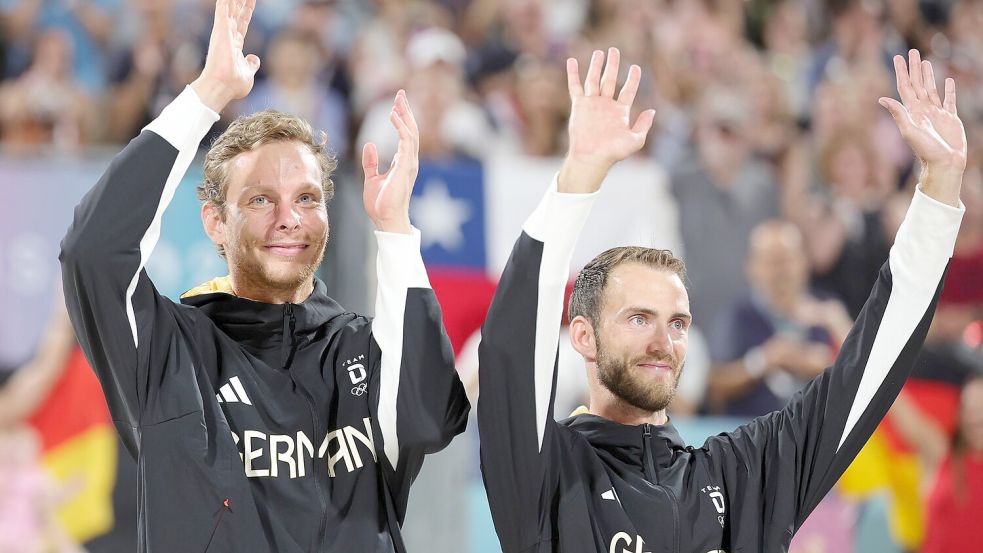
pixel 678 324
pixel 307 198
pixel 259 200
pixel 637 320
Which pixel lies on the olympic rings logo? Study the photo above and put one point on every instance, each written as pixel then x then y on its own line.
pixel 360 389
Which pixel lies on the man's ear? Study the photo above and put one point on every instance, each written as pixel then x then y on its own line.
pixel 583 339
pixel 214 222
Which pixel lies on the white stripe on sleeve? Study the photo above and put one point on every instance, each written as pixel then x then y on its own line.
pixel 557 223
pixel 399 267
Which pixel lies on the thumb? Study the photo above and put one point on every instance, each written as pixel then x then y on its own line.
pixel 370 160
pixel 253 61
pixel 897 111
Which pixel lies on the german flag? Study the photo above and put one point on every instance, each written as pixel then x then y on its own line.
pixel 79 449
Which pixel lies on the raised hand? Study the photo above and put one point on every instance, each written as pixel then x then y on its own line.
pixel 386 196
pixel 600 129
pixel 228 74
pixel 930 126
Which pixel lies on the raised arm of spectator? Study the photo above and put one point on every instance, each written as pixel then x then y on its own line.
pixel 30 384
pixel 920 432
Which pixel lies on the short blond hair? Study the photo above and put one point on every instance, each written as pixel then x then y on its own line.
pixel 249 132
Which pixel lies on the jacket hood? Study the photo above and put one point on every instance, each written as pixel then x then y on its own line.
pixel 626 443
pixel 265 328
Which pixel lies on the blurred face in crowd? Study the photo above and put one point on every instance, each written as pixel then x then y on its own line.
pixel 275 223
pixel 777 267
pixel 293 60
pixel 849 170
pixel 971 414
pixel 641 337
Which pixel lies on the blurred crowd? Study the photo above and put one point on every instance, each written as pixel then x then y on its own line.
pixel 789 179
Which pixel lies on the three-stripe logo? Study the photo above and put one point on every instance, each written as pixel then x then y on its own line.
pixel 233 392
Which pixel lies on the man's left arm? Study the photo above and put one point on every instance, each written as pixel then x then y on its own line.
pixel 422 404
pixel 786 462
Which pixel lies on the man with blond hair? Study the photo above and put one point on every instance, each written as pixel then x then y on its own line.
pixel 263 417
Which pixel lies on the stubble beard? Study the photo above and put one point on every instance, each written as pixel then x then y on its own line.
pixel 621 378
pixel 251 270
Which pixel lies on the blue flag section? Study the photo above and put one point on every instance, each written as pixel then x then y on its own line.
pixel 449 209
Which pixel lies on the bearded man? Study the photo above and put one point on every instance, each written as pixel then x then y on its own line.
pixel 262 415
pixel 618 478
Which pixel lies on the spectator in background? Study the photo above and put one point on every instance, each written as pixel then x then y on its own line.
pixel 722 193
pixel 163 51
pixel 451 123
pixel 779 337
pixel 527 116
pixel 293 67
pixel 954 498
pixel 46 105
pixel 845 235
pixel 87 24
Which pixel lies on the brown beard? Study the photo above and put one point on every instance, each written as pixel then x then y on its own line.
pixel 617 376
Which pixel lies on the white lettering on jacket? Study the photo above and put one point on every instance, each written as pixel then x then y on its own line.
pixel 287 455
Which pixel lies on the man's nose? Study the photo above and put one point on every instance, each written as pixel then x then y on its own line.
pixel 288 218
pixel 660 341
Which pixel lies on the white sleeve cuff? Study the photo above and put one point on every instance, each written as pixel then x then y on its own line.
pixel 930 227
pixel 559 217
pixel 399 263
pixel 185 121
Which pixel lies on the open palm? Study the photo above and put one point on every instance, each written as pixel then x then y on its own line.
pixel 928 123
pixel 226 63
pixel 386 196
pixel 600 128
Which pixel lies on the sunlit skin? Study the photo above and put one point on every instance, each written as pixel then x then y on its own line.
pixel 275 222
pixel 635 357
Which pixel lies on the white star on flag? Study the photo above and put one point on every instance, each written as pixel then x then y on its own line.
pixel 439 216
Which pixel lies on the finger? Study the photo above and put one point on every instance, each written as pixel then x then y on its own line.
pixel 609 80
pixel 643 124
pixel 900 114
pixel 914 70
pixel 592 85
pixel 928 77
pixel 905 91
pixel 221 15
pixel 405 134
pixel 405 112
pixel 627 95
pixel 573 78
pixel 245 15
pixel 370 160
pixel 949 104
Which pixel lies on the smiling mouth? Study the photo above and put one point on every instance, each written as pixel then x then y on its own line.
pixel 660 367
pixel 287 249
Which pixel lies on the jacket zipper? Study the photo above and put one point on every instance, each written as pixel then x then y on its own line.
pixel 289 315
pixel 651 475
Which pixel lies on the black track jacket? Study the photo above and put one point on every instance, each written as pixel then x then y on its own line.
pixel 588 484
pixel 293 428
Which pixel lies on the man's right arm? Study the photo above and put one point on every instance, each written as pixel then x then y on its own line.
pixel 112 303
pixel 519 340
pixel 122 323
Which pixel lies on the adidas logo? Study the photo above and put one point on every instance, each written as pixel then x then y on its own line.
pixel 233 392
